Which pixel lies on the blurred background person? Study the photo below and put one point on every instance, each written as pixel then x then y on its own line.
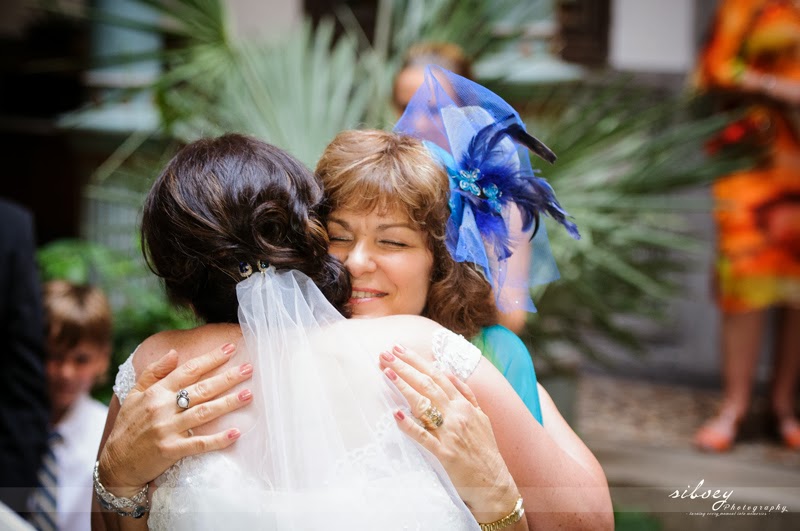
pixel 752 61
pixel 23 396
pixel 412 72
pixel 78 345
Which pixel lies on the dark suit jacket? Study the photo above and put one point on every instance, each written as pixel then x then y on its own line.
pixel 24 408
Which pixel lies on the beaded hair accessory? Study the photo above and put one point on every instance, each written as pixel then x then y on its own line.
pixel 245 269
pixel 482 142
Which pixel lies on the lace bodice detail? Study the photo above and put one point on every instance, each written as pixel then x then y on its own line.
pixel 125 380
pixel 454 352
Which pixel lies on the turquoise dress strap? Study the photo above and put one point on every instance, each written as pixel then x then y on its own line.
pixel 509 355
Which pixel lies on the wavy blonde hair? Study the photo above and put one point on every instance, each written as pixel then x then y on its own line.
pixel 375 170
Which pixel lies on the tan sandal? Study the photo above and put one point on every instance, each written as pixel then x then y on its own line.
pixel 718 434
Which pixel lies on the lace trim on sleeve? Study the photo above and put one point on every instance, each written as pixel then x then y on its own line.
pixel 455 353
pixel 126 379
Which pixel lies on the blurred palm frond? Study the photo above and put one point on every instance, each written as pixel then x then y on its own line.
pixel 624 153
pixel 627 157
pixel 296 92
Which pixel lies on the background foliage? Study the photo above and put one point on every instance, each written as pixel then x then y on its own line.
pixel 623 152
pixel 627 155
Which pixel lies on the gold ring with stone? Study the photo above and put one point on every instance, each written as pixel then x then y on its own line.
pixel 431 418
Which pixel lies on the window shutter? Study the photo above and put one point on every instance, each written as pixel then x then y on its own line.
pixel 583 30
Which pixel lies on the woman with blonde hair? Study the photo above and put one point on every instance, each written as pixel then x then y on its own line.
pixel 374 179
pixel 422 234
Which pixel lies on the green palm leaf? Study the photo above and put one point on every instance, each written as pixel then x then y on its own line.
pixel 623 153
pixel 625 161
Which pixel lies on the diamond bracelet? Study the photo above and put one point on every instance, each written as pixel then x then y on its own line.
pixel 135 506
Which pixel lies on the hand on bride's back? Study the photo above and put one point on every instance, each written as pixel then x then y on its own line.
pixel 151 432
pixel 463 441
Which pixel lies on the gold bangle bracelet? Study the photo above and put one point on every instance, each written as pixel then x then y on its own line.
pixel 510 519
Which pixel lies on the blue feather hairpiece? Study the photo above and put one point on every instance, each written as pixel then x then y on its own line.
pixel 483 144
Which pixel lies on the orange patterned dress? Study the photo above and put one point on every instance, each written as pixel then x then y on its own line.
pixel 758 211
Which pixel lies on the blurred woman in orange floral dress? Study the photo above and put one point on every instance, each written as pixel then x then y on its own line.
pixel 753 58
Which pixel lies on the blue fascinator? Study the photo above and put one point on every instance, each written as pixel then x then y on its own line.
pixel 482 142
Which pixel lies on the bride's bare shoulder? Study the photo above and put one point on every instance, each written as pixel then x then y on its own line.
pixel 189 343
pixel 394 324
pixel 381 333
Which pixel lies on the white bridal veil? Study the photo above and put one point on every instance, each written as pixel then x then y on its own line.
pixel 324 451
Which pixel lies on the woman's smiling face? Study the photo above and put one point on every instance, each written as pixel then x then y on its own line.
pixel 387 257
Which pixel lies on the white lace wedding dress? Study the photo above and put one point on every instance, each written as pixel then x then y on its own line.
pixel 321 449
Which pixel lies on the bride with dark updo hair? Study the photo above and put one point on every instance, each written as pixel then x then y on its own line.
pixel 233 227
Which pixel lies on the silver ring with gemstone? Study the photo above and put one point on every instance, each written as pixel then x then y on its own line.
pixel 183 399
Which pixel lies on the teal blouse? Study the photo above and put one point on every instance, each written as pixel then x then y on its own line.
pixel 508 353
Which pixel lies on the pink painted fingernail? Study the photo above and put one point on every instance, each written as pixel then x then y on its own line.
pixel 387 356
pixel 245 395
pixel 399 415
pixel 234 434
pixel 246 369
pixel 400 349
pixel 390 374
pixel 228 349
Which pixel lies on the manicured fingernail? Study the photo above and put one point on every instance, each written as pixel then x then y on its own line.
pixel 234 434
pixel 228 349
pixel 387 356
pixel 171 352
pixel 400 349
pixel 390 374
pixel 245 395
pixel 399 415
pixel 246 369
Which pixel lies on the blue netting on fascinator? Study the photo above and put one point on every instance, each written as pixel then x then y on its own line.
pixel 482 142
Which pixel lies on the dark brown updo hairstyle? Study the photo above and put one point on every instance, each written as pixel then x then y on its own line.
pixel 222 201
pixel 367 170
